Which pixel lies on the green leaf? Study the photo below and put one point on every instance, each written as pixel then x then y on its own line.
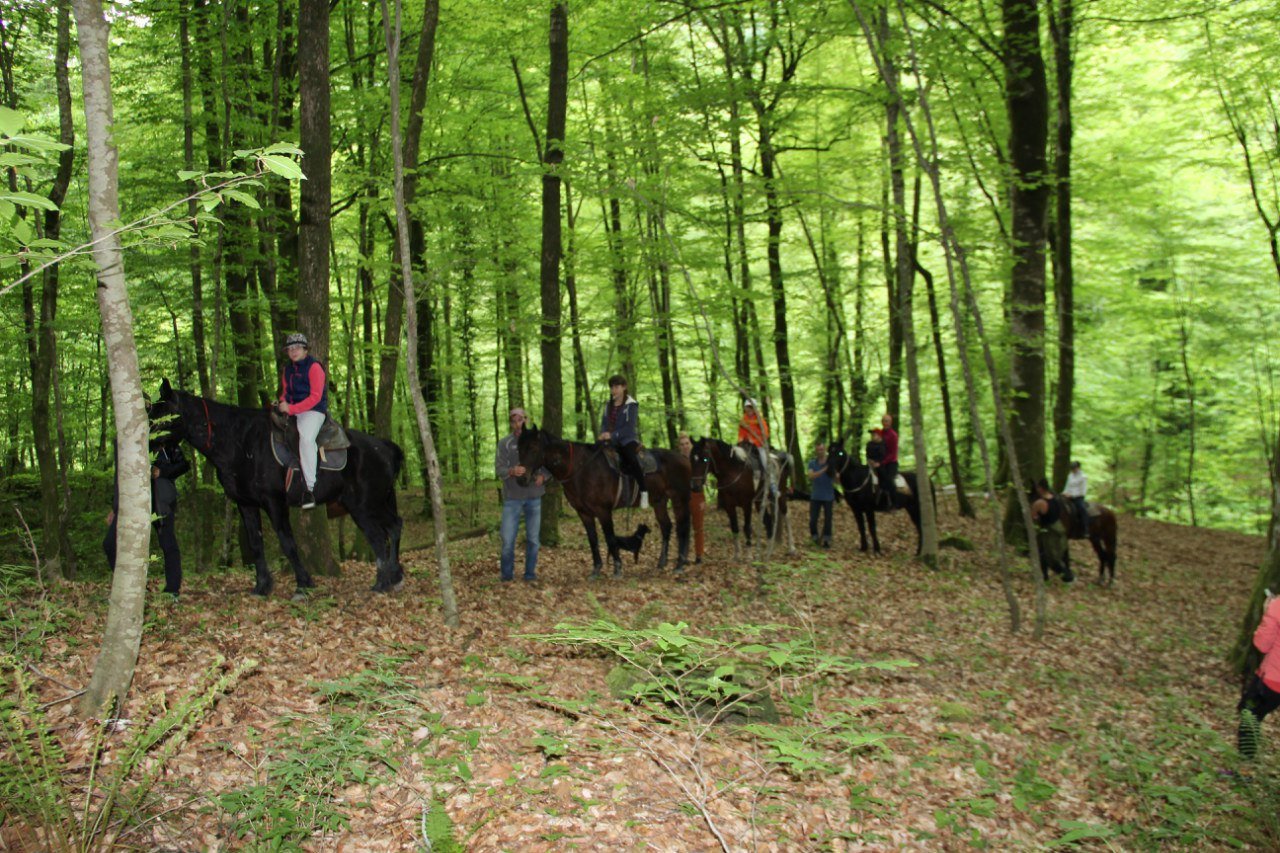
pixel 283 166
pixel 188 174
pixel 244 198
pixel 11 121
pixel 24 199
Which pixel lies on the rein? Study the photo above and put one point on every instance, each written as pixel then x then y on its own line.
pixel 208 425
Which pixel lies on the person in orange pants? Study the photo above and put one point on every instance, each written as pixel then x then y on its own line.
pixel 697 501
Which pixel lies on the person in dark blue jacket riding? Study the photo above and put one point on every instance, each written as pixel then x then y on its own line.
pixel 620 426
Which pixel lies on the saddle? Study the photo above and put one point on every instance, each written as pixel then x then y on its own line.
pixel 648 462
pixel 332 442
pixel 900 484
pixel 778 462
pixel 628 492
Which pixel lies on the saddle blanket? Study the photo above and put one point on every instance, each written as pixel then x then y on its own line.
pixel 286 454
pixel 899 483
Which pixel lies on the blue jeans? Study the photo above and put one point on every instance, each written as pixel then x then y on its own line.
pixel 531 509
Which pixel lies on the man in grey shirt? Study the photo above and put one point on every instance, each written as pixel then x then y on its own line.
pixel 518 500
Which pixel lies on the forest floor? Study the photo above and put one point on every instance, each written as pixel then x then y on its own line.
pixel 365 721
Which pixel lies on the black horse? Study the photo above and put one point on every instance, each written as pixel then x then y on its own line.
pixel 860 493
pixel 592 488
pixel 238 443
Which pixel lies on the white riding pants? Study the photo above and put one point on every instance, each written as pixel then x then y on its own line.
pixel 309 424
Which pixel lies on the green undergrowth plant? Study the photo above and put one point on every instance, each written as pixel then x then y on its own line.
pixel 306 770
pixel 690 685
pixel 98 804
pixel 28 616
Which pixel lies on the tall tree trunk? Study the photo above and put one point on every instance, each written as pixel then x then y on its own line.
pixel 581 385
pixel 237 229
pixel 1027 102
pixel 393 314
pixel 189 163
pixel 928 512
pixel 58 557
pixel 434 484
pixel 1062 30
pixel 552 250
pixel 901 270
pixel 113 670
pixel 773 252
pixel 957 476
pixel 314 231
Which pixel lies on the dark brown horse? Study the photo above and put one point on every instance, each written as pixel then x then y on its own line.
pixel 1099 529
pixel 591 485
pixel 736 490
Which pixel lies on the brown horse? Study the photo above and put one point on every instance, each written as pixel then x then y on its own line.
pixel 591 485
pixel 737 490
pixel 1099 529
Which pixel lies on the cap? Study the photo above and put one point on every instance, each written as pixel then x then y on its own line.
pixel 876 431
pixel 296 338
pixel 521 412
pixel 749 402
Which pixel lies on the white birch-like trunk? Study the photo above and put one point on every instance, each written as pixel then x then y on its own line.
pixel 113 670
pixel 392 32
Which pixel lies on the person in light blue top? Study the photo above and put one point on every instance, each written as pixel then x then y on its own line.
pixel 822 496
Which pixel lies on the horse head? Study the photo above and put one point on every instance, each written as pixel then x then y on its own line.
pixel 166 420
pixel 531 446
pixel 838 459
pixel 700 462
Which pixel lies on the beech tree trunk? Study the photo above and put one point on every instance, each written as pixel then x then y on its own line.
pixel 552 157
pixel 1027 102
pixel 1062 29
pixel 391 30
pixel 314 233
pixel 113 670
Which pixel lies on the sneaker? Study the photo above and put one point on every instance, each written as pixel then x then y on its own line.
pixel 308 499
pixel 529 578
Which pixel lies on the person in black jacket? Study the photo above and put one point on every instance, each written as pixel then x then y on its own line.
pixel 620 426
pixel 168 464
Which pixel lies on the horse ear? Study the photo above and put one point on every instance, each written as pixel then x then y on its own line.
pixel 166 390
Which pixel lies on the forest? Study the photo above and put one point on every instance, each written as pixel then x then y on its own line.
pixel 1031 232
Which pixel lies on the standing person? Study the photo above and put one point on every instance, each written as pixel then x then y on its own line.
pixel 822 495
pixel 1051 533
pixel 1076 489
pixel 889 466
pixel 697 500
pixel 620 426
pixel 305 395
pixel 1261 695
pixel 168 464
pixel 754 431
pixel 518 500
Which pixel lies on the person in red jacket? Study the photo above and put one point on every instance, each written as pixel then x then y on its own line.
pixel 1262 694
pixel 754 431
pixel 888 474
pixel 303 394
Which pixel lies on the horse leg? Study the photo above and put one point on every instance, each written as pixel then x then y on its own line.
pixel 786 523
pixel 862 524
pixel 733 528
pixel 664 525
pixel 683 524
pixel 379 534
pixel 611 542
pixel 875 538
pixel 252 524
pixel 593 539
pixel 278 512
pixel 913 510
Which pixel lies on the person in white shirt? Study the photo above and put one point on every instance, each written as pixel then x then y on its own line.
pixel 1076 489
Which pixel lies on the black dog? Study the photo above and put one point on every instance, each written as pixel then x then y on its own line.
pixel 633 542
